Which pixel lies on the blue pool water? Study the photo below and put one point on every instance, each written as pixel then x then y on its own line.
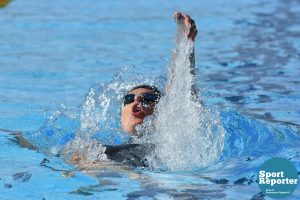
pixel 52 54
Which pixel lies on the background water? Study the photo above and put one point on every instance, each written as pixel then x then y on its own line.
pixel 52 53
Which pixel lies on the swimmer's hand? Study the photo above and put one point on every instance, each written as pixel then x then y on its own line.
pixel 187 23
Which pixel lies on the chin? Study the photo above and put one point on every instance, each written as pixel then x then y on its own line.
pixel 138 121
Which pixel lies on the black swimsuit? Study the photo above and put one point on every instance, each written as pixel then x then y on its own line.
pixel 129 154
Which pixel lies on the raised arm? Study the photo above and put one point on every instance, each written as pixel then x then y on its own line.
pixel 186 28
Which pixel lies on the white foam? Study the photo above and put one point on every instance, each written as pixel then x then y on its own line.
pixel 92 150
pixel 187 135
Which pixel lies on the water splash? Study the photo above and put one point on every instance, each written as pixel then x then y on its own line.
pixel 91 150
pixel 187 135
pixel 58 128
pixel 100 117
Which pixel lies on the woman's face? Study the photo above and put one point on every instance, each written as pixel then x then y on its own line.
pixel 135 112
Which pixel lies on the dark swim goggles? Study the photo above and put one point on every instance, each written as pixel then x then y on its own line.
pixel 146 98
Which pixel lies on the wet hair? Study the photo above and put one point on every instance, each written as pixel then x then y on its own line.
pixel 149 87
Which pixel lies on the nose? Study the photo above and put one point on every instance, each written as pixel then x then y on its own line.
pixel 137 98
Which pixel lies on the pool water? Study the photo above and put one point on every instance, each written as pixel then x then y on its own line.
pixel 54 54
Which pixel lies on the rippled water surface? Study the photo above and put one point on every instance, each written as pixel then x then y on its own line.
pixel 54 53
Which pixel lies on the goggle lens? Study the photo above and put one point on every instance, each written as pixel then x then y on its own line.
pixel 146 98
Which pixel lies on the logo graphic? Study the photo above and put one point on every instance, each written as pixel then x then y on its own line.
pixel 277 178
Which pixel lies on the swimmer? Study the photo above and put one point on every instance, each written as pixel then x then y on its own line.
pixel 140 101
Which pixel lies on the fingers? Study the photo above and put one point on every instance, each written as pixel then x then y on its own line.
pixel 188 22
pixel 192 35
pixel 193 30
pixel 178 17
